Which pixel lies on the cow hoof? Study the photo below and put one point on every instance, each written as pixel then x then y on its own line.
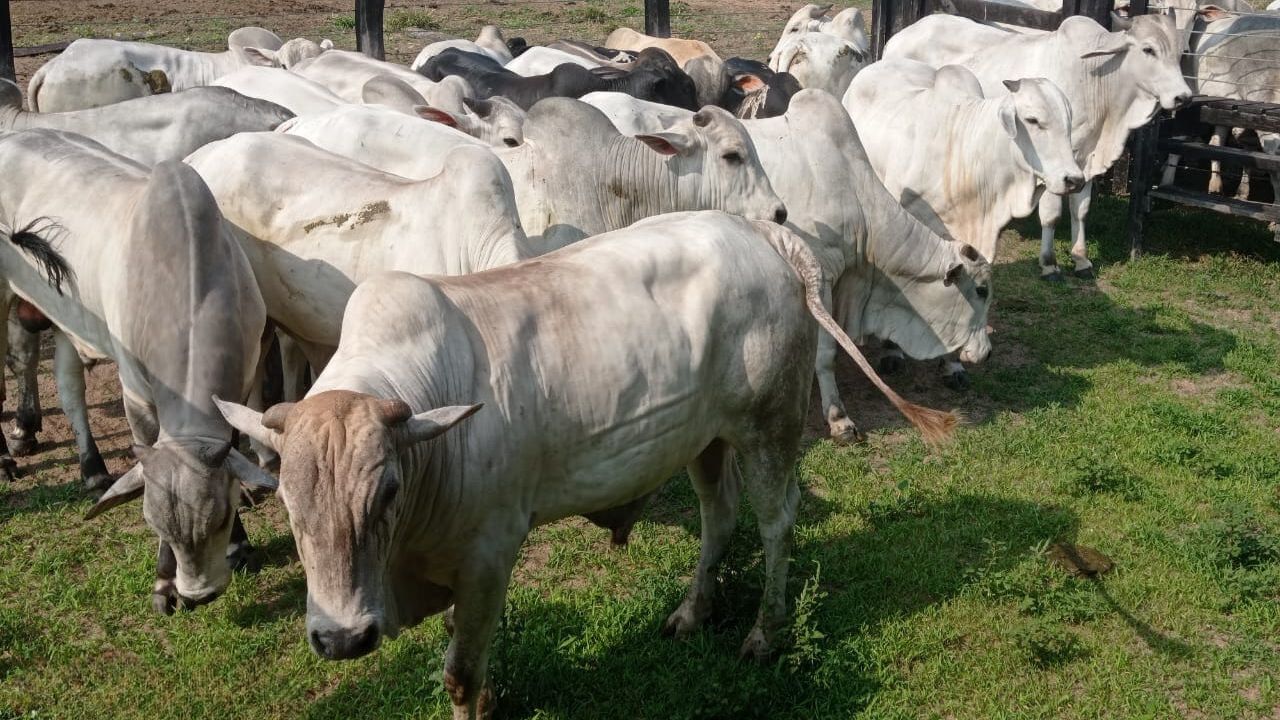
pixel 1055 276
pixel 98 482
pixel 8 469
pixel 684 622
pixel 22 443
pixel 756 647
pixel 958 381
pixel 1084 274
pixel 164 602
pixel 844 432
pixel 242 557
pixel 890 364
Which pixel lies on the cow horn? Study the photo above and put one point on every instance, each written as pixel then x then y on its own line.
pixel 274 417
pixel 393 412
pixel 702 118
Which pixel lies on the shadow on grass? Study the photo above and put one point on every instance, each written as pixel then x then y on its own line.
pixel 576 658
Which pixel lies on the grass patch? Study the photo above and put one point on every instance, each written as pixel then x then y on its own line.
pixel 398 20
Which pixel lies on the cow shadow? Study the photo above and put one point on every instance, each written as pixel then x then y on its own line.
pixel 1047 333
pixel 558 656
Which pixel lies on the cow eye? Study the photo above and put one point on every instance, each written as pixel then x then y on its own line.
pixel 1032 121
pixel 733 158
pixel 1149 50
pixel 390 489
pixel 510 142
pixel 983 291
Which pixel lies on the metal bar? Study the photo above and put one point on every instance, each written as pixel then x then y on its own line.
pixel 369 28
pixel 7 69
pixel 657 18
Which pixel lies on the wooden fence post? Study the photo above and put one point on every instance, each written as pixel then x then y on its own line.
pixel 657 18
pixel 7 70
pixel 892 16
pixel 369 28
pixel 1099 10
pixel 1142 169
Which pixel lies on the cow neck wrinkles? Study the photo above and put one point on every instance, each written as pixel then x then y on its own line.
pixel 1097 137
pixel 637 184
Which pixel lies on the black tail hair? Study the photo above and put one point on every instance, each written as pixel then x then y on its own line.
pixel 36 239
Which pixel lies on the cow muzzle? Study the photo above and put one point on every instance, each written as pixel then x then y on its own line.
pixel 345 643
pixel 191 603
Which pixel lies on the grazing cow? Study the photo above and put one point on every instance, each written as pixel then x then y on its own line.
pixel 695 57
pixel 925 133
pixel 891 276
pixel 147 130
pixel 847 25
pixel 597 373
pixel 91 73
pixel 542 60
pixel 347 73
pixel 1114 82
pixel 489 43
pixel 573 184
pixel 282 87
pixel 189 328
pixel 310 250
pixel 755 91
pixel 653 77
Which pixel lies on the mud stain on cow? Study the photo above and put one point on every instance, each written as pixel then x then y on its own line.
pixel 370 212
pixel 158 81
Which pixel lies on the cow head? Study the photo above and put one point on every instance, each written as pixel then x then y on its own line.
pixel 497 121
pixel 288 55
pixel 341 481
pixel 188 498
pixel 806 19
pixel 1149 54
pixel 716 166
pixel 1037 117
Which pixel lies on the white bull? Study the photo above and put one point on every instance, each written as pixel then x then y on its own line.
pixel 593 375
pixel 346 73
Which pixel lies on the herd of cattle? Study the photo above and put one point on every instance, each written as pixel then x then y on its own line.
pixel 531 282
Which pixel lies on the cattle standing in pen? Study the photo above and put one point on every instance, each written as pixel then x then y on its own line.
pixel 1114 81
pixel 402 507
pixel 190 327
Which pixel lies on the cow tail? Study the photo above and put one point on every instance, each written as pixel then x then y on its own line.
pixel 35 239
pixel 934 425
pixel 33 88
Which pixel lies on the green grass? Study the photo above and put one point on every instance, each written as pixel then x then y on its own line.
pixel 1138 416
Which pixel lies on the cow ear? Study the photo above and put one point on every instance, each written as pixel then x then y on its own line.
pixel 666 143
pixel 1212 13
pixel 432 423
pixel 1108 44
pixel 249 422
pixel 748 82
pixel 261 56
pixel 1009 117
pixel 128 487
pixel 244 470
pixel 426 112
pixel 953 274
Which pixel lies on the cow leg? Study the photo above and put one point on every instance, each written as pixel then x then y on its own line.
pixel 1170 174
pixel 23 359
pixel 294 368
pixel 479 598
pixel 1080 202
pixel 715 480
pixel 893 360
pixel 69 371
pixel 769 473
pixel 954 375
pixel 1270 143
pixel 8 468
pixel 239 549
pixel 1215 166
pixel 843 430
pixel 164 594
pixel 1050 212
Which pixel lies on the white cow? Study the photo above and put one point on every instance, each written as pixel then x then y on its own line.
pixel 848 25
pixel 488 43
pixel 892 276
pixel 542 60
pixel 346 73
pixel 309 250
pixel 575 175
pixel 282 87
pixel 1114 81
pixel 597 372
pixel 964 164
pixel 92 73
pixel 153 279
pixel 820 61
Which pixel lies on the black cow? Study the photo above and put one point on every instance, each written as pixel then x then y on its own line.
pixel 655 77
pixel 756 91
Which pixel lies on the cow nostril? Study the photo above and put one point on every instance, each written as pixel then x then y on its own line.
pixel 1181 101
pixel 780 216
pixel 366 642
pixel 318 644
